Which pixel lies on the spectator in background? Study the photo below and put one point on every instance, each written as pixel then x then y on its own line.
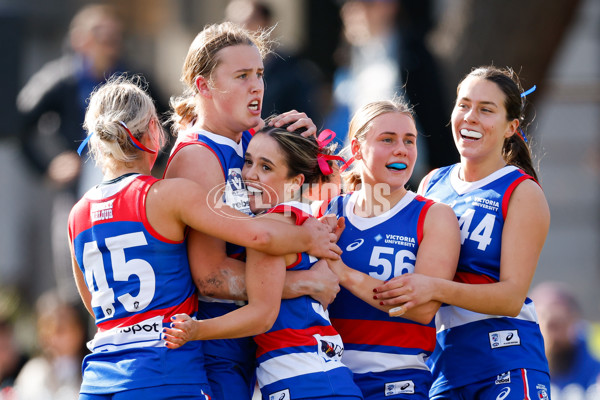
pixel 55 374
pixel 291 82
pixel 383 53
pixel 565 339
pixel 52 107
pixel 11 359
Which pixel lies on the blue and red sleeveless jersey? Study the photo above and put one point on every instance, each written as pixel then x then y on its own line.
pixel 231 158
pixel 300 356
pixel 130 271
pixel 493 344
pixel 383 247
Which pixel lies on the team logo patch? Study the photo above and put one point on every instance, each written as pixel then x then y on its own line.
pixel 234 179
pixel 235 191
pixel 281 395
pixel 331 349
pixel 399 387
pixel 504 338
pixel 542 392
pixel 503 378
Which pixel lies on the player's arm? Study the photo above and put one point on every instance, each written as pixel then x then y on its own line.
pixel 215 273
pixel 437 257
pixel 265 276
pixel 82 288
pixel 265 279
pixel 528 219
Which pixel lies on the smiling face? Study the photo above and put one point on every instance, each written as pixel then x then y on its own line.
pixel 236 89
pixel 479 122
pixel 265 174
pixel 389 151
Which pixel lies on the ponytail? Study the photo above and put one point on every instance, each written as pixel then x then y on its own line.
pixel 515 151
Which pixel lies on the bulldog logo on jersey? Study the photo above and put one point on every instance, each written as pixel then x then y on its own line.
pixel 235 191
pixel 542 392
pixel 234 180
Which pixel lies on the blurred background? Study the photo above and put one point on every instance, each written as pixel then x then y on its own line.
pixel 332 56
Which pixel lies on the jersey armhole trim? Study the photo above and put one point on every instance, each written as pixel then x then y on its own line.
pixel 150 180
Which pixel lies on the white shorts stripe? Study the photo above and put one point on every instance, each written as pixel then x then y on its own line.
pixel 292 365
pixel 450 316
pixel 146 333
pixel 361 362
pixel 525 384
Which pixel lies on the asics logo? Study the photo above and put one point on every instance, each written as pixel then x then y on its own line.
pixel 355 245
pixel 503 394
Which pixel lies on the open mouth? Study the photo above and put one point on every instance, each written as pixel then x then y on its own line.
pixel 254 105
pixel 399 166
pixel 468 134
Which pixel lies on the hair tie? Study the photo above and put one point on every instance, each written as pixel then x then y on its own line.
pixel 325 137
pixel 523 135
pixel 84 143
pixel 324 165
pixel 531 90
pixel 347 164
pixel 136 142
pixel 525 93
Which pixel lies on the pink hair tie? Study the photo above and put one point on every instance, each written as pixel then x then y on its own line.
pixel 324 165
pixel 324 138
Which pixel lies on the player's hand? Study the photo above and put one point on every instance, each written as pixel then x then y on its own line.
pixel 297 120
pixel 405 291
pixel 183 329
pixel 325 284
pixel 323 239
pixel 335 224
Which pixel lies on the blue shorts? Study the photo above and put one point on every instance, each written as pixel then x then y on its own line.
pixel 165 392
pixel 394 384
pixel 230 379
pixel 517 384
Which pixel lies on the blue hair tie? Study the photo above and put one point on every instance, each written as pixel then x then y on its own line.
pixel 84 143
pixel 525 93
pixel 523 135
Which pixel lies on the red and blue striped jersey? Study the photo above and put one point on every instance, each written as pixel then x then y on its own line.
pixel 300 356
pixel 493 344
pixel 131 272
pixel 231 158
pixel 383 247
